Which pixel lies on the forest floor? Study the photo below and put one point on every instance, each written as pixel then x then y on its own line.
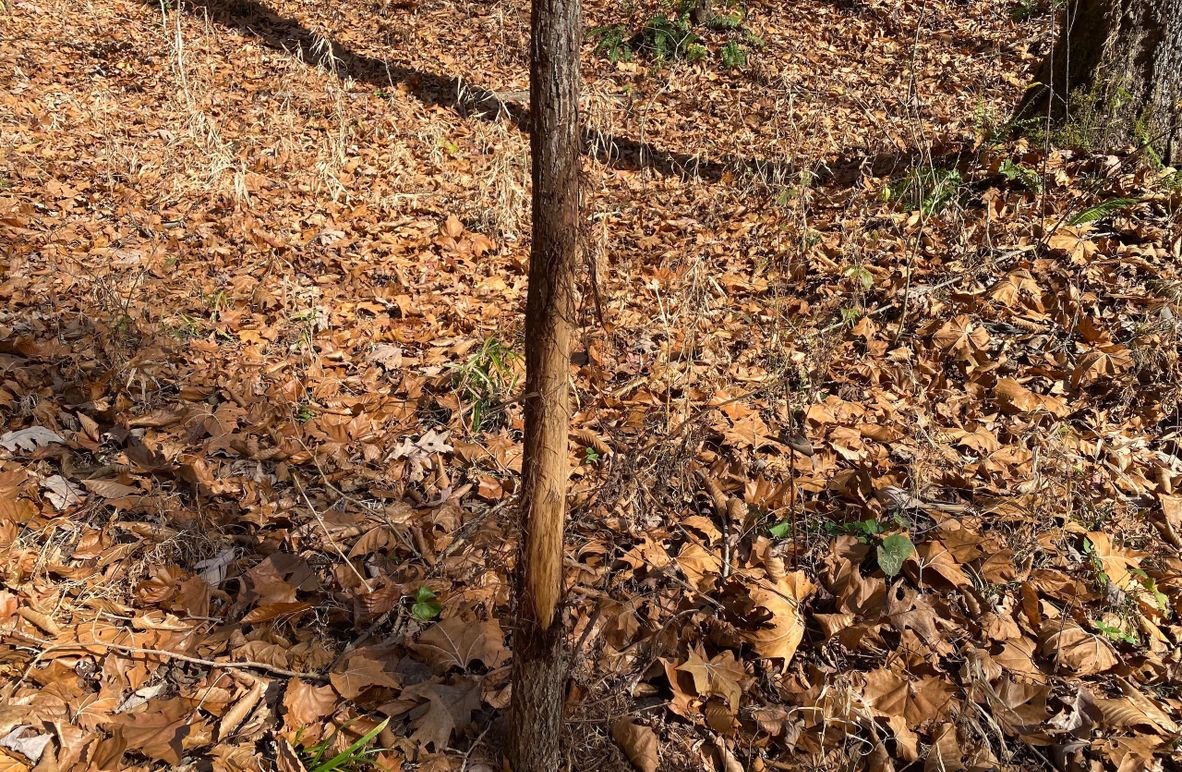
pixel 263 282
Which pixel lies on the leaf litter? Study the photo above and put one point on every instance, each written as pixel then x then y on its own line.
pixel 876 455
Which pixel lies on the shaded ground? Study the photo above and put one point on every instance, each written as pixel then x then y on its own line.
pixel 263 277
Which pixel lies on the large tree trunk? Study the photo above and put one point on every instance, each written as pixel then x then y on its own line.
pixel 539 667
pixel 1114 77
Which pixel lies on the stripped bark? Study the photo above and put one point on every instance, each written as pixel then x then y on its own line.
pixel 539 667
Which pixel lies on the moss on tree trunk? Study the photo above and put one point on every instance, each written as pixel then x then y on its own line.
pixel 1114 77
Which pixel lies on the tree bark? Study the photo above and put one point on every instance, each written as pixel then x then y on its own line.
pixel 702 12
pixel 1114 77
pixel 539 667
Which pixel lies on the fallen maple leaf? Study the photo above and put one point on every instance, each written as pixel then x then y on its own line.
pixel 448 708
pixel 159 731
pixel 305 704
pixel 722 675
pixel 359 672
pixel 456 642
pixel 782 596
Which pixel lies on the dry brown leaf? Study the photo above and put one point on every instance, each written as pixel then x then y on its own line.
pixel 700 566
pixel 1075 649
pixel 782 597
pixel 917 701
pixel 450 706
pixel 360 670
pixel 241 709
pixel 159 731
pixel 638 742
pixel 305 704
pixel 722 676
pixel 271 611
pixel 111 489
pixel 457 642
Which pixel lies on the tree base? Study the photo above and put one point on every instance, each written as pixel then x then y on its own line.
pixel 535 714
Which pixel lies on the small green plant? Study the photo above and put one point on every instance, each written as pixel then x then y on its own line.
pixel 485 380
pixel 1024 10
pixel 849 315
pixel 305 413
pixel 611 41
pixel 186 327
pixel 663 39
pixel 892 552
pixel 591 456
pixel 1116 634
pixel 1021 174
pixel 725 21
pixel 928 189
pixel 217 302
pixel 1094 559
pixel 1102 210
pixel 426 606
pixel 860 274
pixel 356 757
pixel 734 56
pixel 1159 598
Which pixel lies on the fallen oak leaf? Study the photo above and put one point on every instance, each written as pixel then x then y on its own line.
pixel 30 439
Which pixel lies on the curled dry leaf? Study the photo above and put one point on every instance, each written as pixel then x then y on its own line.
pixel 638 742
pixel 30 439
pixel 26 741
pixel 780 635
pixel 242 708
pixel 1074 649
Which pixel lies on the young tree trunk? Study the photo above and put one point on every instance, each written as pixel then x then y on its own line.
pixel 1114 77
pixel 539 667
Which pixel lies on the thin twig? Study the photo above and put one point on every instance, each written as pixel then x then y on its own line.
pixel 328 535
pixel 49 646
